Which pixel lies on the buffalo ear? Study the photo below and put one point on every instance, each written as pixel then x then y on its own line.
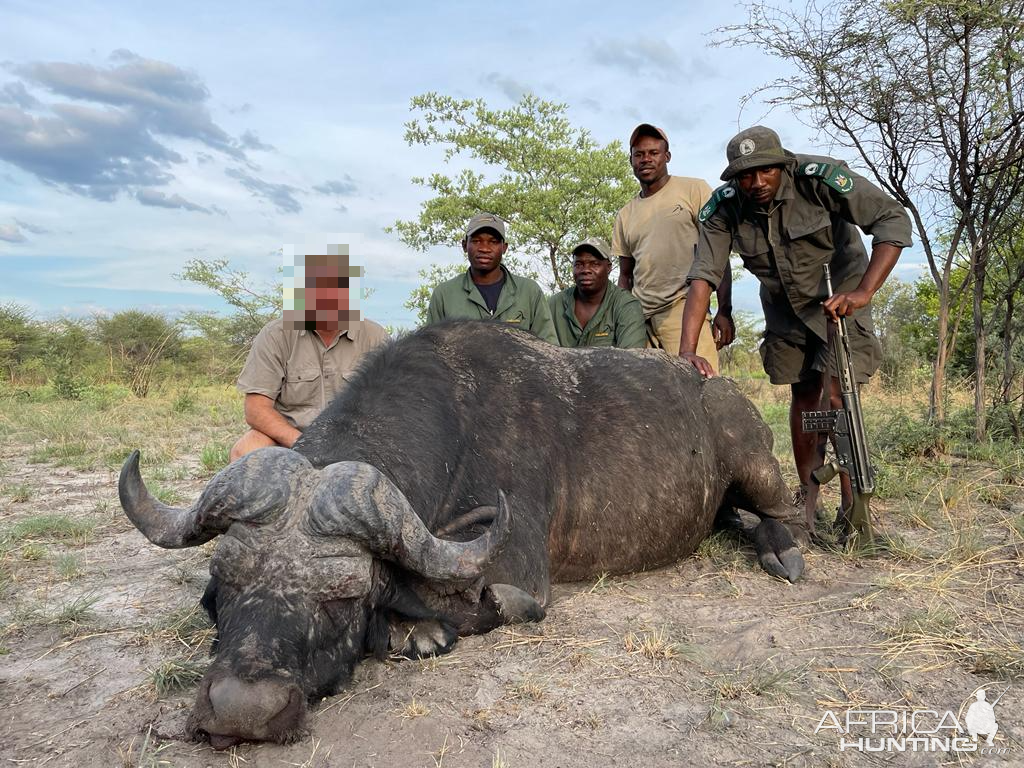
pixel 397 604
pixel 401 599
pixel 378 634
pixel 209 604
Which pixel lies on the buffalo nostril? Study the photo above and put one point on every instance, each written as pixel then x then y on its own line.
pixel 219 741
pixel 247 709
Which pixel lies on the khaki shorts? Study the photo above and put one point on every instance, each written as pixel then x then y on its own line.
pixel 787 362
pixel 665 330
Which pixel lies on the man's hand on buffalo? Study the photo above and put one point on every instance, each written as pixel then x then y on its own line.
pixel 698 362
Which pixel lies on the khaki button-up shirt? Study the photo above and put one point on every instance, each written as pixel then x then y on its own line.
pixel 300 374
pixel 521 304
pixel 618 322
pixel 808 224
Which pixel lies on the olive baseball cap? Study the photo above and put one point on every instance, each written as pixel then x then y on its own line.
pixel 485 221
pixel 755 147
pixel 646 129
pixel 597 245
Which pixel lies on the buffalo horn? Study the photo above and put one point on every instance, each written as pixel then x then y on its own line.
pixel 254 488
pixel 357 501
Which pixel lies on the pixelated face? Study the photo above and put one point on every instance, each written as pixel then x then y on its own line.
pixel 326 288
pixel 649 158
pixel 760 184
pixel 590 271
pixel 484 248
pixel 323 295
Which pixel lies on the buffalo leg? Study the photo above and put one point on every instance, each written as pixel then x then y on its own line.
pixel 776 550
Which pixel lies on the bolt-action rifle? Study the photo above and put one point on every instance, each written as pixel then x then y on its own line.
pixel 849 437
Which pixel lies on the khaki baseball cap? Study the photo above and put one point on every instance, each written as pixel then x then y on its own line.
pixel 755 147
pixel 597 245
pixel 485 221
pixel 646 129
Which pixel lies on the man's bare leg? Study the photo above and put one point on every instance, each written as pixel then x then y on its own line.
pixel 249 442
pixel 809 447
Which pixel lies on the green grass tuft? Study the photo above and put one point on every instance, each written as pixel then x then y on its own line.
pixel 19 493
pixel 214 457
pixel 67 567
pixel 176 675
pixel 50 528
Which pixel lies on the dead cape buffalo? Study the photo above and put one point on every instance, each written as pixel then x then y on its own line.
pixel 465 467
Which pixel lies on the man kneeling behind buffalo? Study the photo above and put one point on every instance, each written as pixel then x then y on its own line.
pixel 593 312
pixel 298 364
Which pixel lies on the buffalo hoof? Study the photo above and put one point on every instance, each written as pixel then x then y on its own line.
pixel 514 605
pixel 776 550
pixel 422 638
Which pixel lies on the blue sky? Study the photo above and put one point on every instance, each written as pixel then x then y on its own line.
pixel 134 137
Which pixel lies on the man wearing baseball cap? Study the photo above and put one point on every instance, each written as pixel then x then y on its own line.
pixel 593 312
pixel 488 291
pixel 788 215
pixel 655 237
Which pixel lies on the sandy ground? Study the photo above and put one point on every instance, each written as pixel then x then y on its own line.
pixel 708 662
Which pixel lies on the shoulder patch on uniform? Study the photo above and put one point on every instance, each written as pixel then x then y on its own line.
pixel 835 176
pixel 724 192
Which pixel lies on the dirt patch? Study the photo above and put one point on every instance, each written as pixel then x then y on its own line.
pixel 709 662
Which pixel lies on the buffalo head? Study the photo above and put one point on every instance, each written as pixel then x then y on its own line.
pixel 310 569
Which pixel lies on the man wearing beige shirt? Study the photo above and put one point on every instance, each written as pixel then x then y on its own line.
pixel 298 363
pixel 655 237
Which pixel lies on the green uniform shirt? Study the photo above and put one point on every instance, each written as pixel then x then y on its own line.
pixel 618 322
pixel 521 304
pixel 810 223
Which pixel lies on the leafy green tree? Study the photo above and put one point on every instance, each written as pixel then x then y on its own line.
pixel 140 341
pixel 71 351
pixel 21 337
pixel 930 95
pixel 255 305
pixel 550 181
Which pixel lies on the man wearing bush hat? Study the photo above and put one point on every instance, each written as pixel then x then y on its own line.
pixel 593 312
pixel 788 215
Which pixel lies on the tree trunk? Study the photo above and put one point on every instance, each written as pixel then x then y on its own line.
pixel 553 260
pixel 937 393
pixel 979 349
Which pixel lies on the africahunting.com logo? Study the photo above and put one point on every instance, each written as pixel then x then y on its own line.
pixel 972 728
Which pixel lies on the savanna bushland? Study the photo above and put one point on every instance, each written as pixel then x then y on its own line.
pixel 710 660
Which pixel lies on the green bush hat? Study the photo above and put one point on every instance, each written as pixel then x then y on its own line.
pixel 755 147
pixel 598 246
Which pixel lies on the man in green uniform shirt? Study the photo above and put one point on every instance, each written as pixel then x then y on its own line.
pixel 593 312
pixel 788 215
pixel 488 291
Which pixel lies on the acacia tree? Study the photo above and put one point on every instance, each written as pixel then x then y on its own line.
pixel 551 182
pixel 930 94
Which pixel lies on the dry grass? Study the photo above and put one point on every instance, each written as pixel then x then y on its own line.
pixel 526 689
pixel 412 710
pixel 656 645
